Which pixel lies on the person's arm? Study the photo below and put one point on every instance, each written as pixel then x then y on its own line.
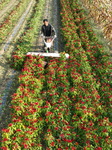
pixel 53 31
pixel 42 32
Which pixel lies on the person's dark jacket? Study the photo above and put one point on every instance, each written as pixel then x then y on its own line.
pixel 47 30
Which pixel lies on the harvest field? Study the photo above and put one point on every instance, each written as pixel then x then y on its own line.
pixel 66 106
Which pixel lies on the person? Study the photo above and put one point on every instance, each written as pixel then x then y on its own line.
pixel 47 30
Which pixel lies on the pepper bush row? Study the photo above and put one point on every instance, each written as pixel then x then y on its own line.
pixel 91 61
pixel 26 124
pixel 82 43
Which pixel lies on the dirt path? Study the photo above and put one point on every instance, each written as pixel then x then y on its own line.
pixel 38 43
pixel 7 74
pixel 51 12
pixel 7 9
pixel 56 21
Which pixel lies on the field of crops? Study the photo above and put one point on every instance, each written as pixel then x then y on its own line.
pixel 66 106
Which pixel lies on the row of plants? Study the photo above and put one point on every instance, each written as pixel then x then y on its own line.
pixel 26 123
pixel 12 18
pixel 24 42
pixel 97 58
pixel 3 3
pixel 86 51
pixel 66 105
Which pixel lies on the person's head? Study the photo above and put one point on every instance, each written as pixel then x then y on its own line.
pixel 45 21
